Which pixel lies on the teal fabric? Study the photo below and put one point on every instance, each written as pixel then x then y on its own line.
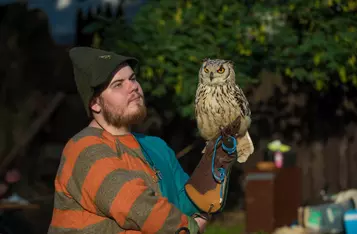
pixel 163 158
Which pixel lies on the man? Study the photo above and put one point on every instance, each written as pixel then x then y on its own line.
pixel 111 180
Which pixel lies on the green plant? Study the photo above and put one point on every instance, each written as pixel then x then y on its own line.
pixel 221 229
pixel 309 40
pixel 172 37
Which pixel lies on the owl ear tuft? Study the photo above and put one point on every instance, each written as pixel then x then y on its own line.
pixel 230 62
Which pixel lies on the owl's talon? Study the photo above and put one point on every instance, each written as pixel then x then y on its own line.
pixel 221 130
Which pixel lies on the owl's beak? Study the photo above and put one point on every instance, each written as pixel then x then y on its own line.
pixel 211 76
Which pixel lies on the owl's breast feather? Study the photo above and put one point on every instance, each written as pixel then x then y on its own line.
pixel 218 99
pixel 215 108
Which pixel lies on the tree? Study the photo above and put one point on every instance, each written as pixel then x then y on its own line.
pixel 309 40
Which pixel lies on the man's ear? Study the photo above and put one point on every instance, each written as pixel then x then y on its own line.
pixel 95 105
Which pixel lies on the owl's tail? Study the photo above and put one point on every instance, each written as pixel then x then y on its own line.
pixel 245 148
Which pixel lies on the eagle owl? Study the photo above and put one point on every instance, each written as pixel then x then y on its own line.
pixel 219 101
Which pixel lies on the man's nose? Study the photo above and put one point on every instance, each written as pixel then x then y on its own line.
pixel 133 86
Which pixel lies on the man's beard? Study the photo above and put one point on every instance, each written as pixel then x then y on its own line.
pixel 118 118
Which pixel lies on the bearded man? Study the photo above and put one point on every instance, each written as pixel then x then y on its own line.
pixel 111 180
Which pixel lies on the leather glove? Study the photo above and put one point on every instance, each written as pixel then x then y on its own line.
pixel 208 185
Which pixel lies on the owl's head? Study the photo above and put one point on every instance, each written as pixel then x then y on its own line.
pixel 216 72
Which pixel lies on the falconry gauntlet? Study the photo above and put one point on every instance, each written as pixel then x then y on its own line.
pixel 208 184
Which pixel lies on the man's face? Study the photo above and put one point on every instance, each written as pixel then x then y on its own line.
pixel 122 102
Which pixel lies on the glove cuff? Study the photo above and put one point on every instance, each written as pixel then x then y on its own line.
pixel 208 185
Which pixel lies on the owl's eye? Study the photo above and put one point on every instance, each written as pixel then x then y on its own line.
pixel 206 70
pixel 221 70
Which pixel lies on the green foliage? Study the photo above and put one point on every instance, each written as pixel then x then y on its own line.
pixel 324 48
pixel 223 229
pixel 309 40
pixel 171 38
pixel 220 228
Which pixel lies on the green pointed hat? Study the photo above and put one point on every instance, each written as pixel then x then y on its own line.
pixel 94 67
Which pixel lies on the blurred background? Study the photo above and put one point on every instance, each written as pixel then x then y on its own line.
pixel 294 59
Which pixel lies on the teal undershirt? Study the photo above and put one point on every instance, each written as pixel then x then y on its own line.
pixel 163 158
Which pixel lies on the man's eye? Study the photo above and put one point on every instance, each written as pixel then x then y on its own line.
pixel 117 85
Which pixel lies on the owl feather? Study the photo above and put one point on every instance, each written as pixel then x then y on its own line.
pixel 219 101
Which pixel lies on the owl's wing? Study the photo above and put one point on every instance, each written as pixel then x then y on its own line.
pixel 197 98
pixel 242 101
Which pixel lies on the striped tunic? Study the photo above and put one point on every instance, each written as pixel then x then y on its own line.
pixel 105 185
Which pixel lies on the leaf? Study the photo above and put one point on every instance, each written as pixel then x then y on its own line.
pixel 342 74
pixel 317 59
pixel 93 27
pixel 300 73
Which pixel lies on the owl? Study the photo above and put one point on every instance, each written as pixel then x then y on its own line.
pixel 219 101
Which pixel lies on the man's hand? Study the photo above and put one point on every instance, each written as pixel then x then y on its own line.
pixel 202 223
